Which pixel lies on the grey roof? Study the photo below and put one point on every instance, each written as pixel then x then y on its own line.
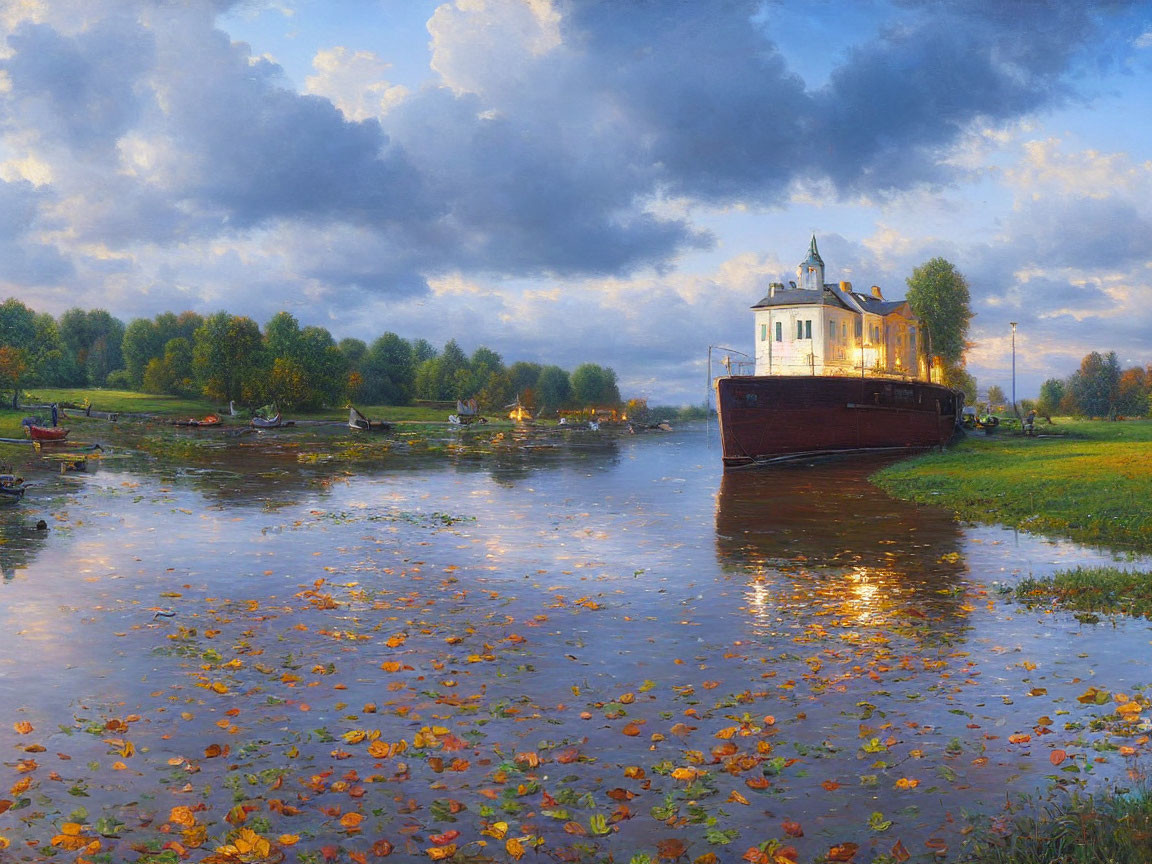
pixel 804 296
pixel 831 296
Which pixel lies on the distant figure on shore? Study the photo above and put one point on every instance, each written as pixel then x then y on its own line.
pixel 55 414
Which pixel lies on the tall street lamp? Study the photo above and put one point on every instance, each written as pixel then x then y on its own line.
pixel 1014 409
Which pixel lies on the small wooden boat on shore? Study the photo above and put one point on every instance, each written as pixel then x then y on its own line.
pixel 273 422
pixel 47 433
pixel 210 420
pixel 360 423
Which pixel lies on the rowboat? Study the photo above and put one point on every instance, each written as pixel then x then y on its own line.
pixel 11 488
pixel 267 422
pixel 359 422
pixel 210 420
pixel 48 433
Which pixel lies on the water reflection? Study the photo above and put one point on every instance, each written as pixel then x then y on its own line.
pixel 820 537
pixel 20 542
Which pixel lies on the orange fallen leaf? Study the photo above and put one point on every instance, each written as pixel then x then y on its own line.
pixel 1057 756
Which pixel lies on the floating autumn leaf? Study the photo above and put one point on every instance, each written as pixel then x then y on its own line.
pixel 842 852
pixel 247 846
pixel 443 839
pixel 792 829
pixel 632 730
pixel 830 785
pixel 1020 738
pixel 23 727
pixel 670 849
pixel 182 816
pixel 575 828
pixel 381 848
pixel 1057 756
pixel 899 853
pixel 351 821
pixel 288 839
pixel 514 848
pixel 495 829
pixel 735 797
pixel 1093 696
pixel 907 783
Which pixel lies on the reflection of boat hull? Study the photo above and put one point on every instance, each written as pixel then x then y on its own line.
pixel 11 489
pixel 768 417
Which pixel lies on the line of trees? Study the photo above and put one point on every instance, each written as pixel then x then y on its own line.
pixel 228 357
pixel 1099 388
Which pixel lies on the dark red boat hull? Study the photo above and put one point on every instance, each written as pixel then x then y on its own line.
pixel 766 418
pixel 47 433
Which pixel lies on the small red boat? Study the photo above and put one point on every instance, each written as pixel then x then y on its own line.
pixel 48 433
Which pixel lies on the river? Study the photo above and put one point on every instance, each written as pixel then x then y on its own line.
pixel 588 642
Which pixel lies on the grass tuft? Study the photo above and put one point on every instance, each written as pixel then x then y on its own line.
pixel 1084 829
pixel 1092 589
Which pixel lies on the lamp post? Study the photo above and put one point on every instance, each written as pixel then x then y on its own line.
pixel 1014 409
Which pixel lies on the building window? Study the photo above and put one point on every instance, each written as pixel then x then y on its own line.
pixel 912 338
pixel 807 329
pixel 763 332
pixel 843 331
pixel 859 328
pixel 779 331
pixel 799 329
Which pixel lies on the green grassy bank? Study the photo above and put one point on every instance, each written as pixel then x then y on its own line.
pixel 1102 829
pixel 1086 480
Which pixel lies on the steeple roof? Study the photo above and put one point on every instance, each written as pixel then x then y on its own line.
pixel 813 253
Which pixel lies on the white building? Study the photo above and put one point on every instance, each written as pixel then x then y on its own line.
pixel 812 327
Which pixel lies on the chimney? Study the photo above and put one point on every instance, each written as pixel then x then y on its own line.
pixel 876 292
pixel 846 287
pixel 774 287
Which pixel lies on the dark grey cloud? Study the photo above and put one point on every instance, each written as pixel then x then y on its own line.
pixel 24 260
pixel 553 166
pixel 83 89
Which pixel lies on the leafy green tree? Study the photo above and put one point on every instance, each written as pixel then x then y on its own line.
pixel 445 376
pixel 1051 395
pixel 523 377
pixel 226 353
pixel 939 297
pixel 422 350
pixel 17 336
pixel 48 361
pixel 483 365
pixel 995 398
pixel 142 342
pixel 594 385
pixel 1094 387
pixel 389 371
pixel 553 389
pixel 94 339
pixel 179 366
pixel 354 351
pixel 17 324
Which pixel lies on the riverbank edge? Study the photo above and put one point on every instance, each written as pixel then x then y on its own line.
pixel 1085 481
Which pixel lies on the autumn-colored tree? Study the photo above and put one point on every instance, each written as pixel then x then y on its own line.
pixel 13 365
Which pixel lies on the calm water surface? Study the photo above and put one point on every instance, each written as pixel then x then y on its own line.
pixel 594 643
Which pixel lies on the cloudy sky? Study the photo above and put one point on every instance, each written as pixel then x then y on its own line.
pixel 573 180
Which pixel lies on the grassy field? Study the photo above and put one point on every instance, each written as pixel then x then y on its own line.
pixel 1086 480
pixel 125 401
